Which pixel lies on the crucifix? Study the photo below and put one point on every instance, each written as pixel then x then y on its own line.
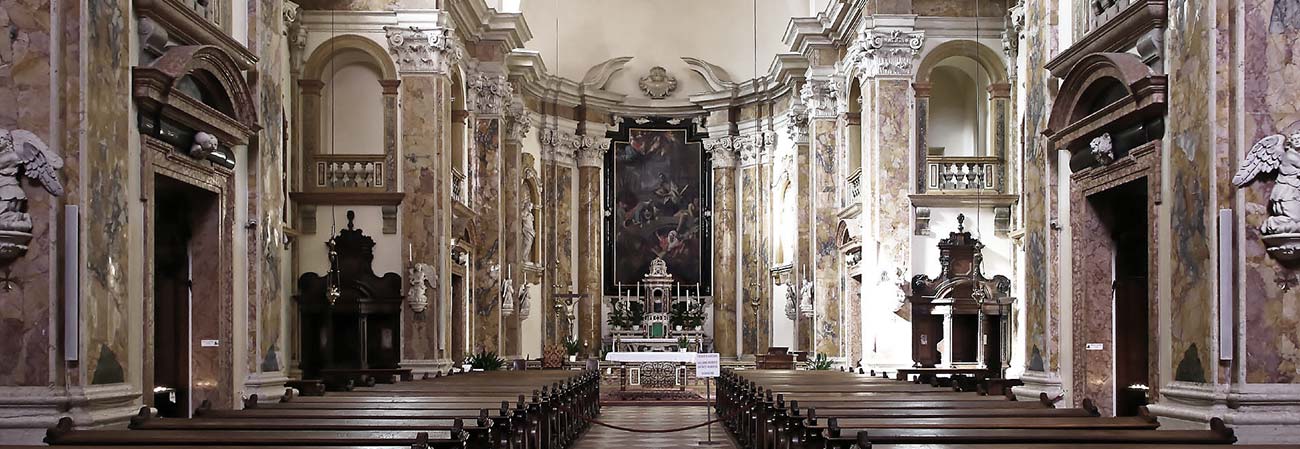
pixel 565 307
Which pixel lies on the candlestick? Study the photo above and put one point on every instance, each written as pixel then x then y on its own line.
pixel 410 252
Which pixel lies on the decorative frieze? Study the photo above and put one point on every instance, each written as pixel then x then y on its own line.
pixel 890 53
pixel 418 50
pixel 488 93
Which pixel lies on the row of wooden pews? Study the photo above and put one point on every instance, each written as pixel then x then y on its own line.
pixel 783 409
pixel 482 410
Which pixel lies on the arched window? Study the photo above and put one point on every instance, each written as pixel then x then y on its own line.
pixel 958 109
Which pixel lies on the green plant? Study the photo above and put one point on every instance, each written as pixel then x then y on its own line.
pixel 486 361
pixel 686 316
pixel 683 343
pixel 635 313
pixel 820 363
pixel 572 346
pixel 617 318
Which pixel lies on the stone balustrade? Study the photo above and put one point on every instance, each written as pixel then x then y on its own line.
pixel 353 172
pixel 963 174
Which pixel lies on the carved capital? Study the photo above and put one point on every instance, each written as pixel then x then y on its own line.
pixel 418 50
pixel 796 122
pixel 723 151
pixel 890 53
pixel 591 152
pixel 748 148
pixel 518 122
pixel 488 93
pixel 820 97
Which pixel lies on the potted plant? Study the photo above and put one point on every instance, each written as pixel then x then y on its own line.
pixel 616 320
pixel 572 347
pixel 821 363
pixel 678 316
pixel 636 315
pixel 682 344
pixel 485 361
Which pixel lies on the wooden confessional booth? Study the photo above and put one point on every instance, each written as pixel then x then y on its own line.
pixel 961 318
pixel 350 318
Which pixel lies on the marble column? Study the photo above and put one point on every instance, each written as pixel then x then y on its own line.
pixel 820 96
pixel 557 189
pixel 766 141
pixel 724 245
pixel 797 127
pixel 487 95
pixel 517 123
pixel 751 297
pixel 425 111
pixel 591 156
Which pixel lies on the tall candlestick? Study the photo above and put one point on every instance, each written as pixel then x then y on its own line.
pixel 410 252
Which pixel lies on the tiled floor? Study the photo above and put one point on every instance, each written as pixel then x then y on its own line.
pixel 651 417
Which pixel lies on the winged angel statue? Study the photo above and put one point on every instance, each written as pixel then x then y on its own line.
pixel 1281 154
pixel 22 154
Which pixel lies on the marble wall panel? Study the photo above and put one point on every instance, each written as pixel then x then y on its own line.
pixel 589 267
pixel 25 320
pixel 944 8
pixel 1191 60
pixel 724 261
pixel 558 190
pixel 423 138
pixel 825 254
pixel 764 254
pixel 1093 313
pixel 489 271
pixel 510 265
pixel 212 311
pixel 1269 297
pixel 267 40
pixel 106 131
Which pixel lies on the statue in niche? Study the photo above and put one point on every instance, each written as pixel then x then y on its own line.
pixel 791 301
pixel 1281 154
pixel 658 84
pixel 22 154
pixel 529 229
pixel 1103 150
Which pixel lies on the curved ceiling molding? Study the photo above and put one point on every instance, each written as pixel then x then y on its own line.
pixel 717 77
pixel 599 74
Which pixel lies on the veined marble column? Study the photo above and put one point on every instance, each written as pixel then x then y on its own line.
pixel 820 96
pixel 557 193
pixel 487 94
pixel 591 157
pixel 797 127
pixel 766 141
pixel 751 297
pixel 425 108
pixel 517 123
pixel 724 245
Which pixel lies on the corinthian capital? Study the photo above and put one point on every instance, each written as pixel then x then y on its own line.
pixel 796 122
pixel 820 96
pixel 891 53
pixel 488 93
pixel 417 50
pixel 518 121
pixel 723 151
pixel 591 152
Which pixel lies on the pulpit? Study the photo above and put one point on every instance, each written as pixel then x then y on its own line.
pixel 961 318
pixel 350 318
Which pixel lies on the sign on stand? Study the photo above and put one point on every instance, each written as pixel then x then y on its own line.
pixel 707 365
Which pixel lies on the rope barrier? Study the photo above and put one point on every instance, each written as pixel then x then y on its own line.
pixel 629 429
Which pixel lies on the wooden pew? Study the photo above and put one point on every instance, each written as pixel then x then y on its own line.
pixel 64 435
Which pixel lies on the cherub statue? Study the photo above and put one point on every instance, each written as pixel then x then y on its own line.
pixel 421 278
pixel 22 154
pixel 1281 154
pixel 1102 149
pixel 204 144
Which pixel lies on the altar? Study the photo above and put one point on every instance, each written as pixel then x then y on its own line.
pixel 652 370
pixel 657 315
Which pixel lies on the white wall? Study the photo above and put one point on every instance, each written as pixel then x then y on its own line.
pixel 352 99
pixel 658 33
pixel 531 328
pixel 958 105
pixel 389 256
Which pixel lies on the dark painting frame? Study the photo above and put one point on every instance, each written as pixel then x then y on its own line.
pixel 630 269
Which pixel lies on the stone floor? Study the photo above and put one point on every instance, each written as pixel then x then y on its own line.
pixel 651 417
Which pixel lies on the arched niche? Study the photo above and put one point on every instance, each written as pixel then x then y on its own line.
pixel 1107 94
pixel 458 123
pixel 354 168
pixel 531 203
pixel 963 113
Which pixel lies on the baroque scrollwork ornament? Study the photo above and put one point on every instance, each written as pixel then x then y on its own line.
pixel 658 84
pixel 489 92
pixel 893 53
pixel 1280 154
pixel 22 154
pixel 421 50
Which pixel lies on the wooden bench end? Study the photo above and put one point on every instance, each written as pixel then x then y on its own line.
pixel 1217 426
pixel 140 418
pixel 250 401
pixel 1090 406
pixel 54 434
pixel 864 441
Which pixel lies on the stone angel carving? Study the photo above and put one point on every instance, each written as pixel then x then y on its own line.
pixel 22 154
pixel 420 276
pixel 508 297
pixel 1281 154
pixel 524 307
pixel 806 299
pixel 791 301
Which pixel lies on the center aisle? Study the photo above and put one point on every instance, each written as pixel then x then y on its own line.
pixel 651 417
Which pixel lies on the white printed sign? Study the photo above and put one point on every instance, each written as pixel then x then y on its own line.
pixel 1093 346
pixel 209 343
pixel 707 365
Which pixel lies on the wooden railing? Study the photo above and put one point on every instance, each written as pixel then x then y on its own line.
pixel 964 174
pixel 353 172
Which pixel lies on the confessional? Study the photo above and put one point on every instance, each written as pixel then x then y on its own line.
pixel 350 317
pixel 961 318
